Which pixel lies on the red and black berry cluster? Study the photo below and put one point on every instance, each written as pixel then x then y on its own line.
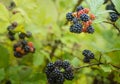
pixel 81 20
pixel 59 71
pixel 22 47
pixel 87 55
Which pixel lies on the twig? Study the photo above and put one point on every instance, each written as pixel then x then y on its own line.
pixel 55 46
pixel 78 3
pixel 118 29
pixel 115 66
pixel 88 66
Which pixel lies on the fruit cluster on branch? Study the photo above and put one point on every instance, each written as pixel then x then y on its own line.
pixel 81 20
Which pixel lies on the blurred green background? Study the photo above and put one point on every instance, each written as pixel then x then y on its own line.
pixel 46 19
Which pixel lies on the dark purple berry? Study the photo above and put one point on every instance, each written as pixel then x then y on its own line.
pixel 17 54
pixel 79 8
pixel 76 28
pixel 113 17
pixel 27 49
pixel 86 60
pixel 66 64
pixel 22 35
pixel 69 16
pixel 84 17
pixel 90 29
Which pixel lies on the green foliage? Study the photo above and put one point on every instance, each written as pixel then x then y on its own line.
pixel 46 20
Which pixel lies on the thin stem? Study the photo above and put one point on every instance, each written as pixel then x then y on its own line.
pixel 116 27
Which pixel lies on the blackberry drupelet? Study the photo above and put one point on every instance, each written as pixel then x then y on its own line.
pixel 66 64
pixel 79 8
pixel 76 28
pixel 68 75
pixel 113 17
pixel 75 20
pixel 69 16
pixel 90 29
pixel 84 17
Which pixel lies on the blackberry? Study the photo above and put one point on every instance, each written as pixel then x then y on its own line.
pixel 68 75
pixel 86 60
pixel 58 63
pixel 9 28
pixel 50 66
pixel 88 54
pixel 90 29
pixel 17 54
pixel 11 33
pixel 76 28
pixel 113 17
pixel 91 56
pixel 66 64
pixel 84 17
pixel 27 49
pixel 75 20
pixel 69 16
pixel 79 8
pixel 22 35
pixel 24 43
pixel 11 37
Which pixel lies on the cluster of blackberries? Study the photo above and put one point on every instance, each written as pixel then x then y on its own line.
pixel 81 20
pixel 113 15
pixel 11 34
pixel 59 71
pixel 22 48
pixel 10 29
pixel 87 55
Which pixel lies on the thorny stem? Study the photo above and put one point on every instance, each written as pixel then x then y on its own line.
pixel 116 27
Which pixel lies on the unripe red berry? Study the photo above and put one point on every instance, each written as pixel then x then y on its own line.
pixel 92 17
pixel 86 10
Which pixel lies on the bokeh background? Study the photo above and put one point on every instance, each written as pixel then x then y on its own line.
pixel 46 19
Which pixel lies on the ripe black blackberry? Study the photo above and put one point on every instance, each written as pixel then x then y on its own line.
pixel 24 43
pixel 84 17
pixel 68 75
pixel 22 35
pixel 66 64
pixel 69 16
pixel 110 7
pixel 50 66
pixel 113 17
pixel 79 8
pixel 88 55
pixel 76 28
pixel 17 54
pixel 10 28
pixel 11 37
pixel 27 49
pixel 90 29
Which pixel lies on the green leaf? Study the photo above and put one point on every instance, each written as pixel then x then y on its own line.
pixel 2 74
pixel 75 62
pixel 106 68
pixel 4 14
pixel 107 58
pixel 4 57
pixel 117 4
